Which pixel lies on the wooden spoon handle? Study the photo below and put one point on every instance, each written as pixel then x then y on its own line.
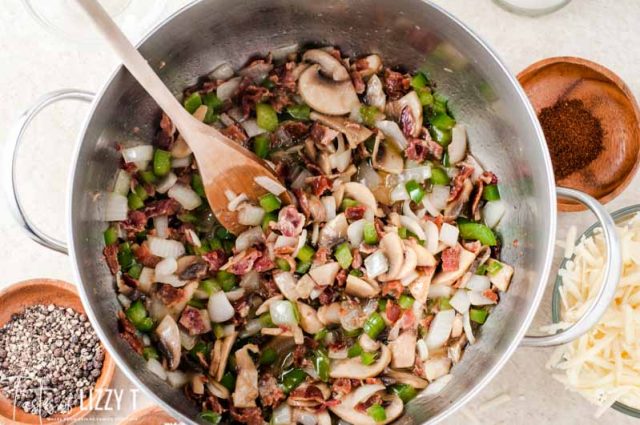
pixel 137 65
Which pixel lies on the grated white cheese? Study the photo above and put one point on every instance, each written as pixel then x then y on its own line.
pixel 604 364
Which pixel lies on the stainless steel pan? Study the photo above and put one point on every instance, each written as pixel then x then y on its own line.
pixel 503 132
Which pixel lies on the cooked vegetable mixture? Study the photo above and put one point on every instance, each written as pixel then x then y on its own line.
pixel 347 302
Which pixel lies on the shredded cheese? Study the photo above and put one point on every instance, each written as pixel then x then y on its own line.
pixel 604 364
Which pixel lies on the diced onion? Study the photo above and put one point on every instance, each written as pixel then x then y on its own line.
pixel 186 196
pixel 466 325
pixel 251 128
pixel 249 238
pixel 438 385
pixel 439 196
pixel 458 147
pixel 181 162
pixel 329 203
pixel 250 215
pixel 478 283
pixel 439 290
pixel 423 350
pixel 449 234
pixel 368 176
pixel 166 183
pixel 166 266
pixel 399 193
pixel 419 174
pixel 300 180
pixel 460 301
pixel 124 301
pixel 413 226
pixel 193 236
pixel 122 184
pixel 477 298
pixel 222 72
pixel 376 264
pixel 282 313
pixel 236 201
pixel 235 295
pixel 432 233
pixel 250 281
pixel 393 132
pixel 286 283
pixel 302 240
pixel 251 328
pixel 492 212
pixel 219 307
pixel 146 279
pixel 270 184
pixel 187 341
pixel 177 379
pixel 285 241
pixel 228 88
pixel 165 248
pixel 156 368
pixel 138 153
pixel 440 329
pixel 116 207
pixel 281 415
pixel 161 224
pixel 355 232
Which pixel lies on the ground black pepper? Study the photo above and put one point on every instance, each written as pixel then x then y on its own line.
pixel 574 136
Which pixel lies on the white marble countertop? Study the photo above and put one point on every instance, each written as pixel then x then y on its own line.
pixel 35 62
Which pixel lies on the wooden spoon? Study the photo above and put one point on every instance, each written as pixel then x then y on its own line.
pixel 224 165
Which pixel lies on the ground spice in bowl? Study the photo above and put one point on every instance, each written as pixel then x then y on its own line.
pixel 574 136
pixel 50 359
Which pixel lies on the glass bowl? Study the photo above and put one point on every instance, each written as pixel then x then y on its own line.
pixel 532 8
pixel 620 216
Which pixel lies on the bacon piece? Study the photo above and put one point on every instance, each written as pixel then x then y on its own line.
pixel 136 221
pixel 194 321
pixel 451 259
pixel 489 178
pixel 355 213
pixel 438 221
pixel 170 295
pixel 144 256
pixel 299 354
pixel 291 132
pixel 242 263
pixel 307 393
pixel 110 253
pixel 236 133
pixel 393 288
pixel 356 263
pixel 327 296
pixel 458 182
pixel 162 207
pixel 473 246
pixel 252 95
pixel 395 84
pixel 215 259
pixel 393 311
pixel 407 123
pixel 320 184
pixel 322 135
pixel 264 264
pixel 212 402
pixel 341 277
pixel 249 415
pixel 341 386
pixel 420 149
pixel 290 221
pixel 321 256
pixel 165 137
pixel 491 295
pixel 128 332
pixel 268 288
pixel 358 82
pixel 270 394
pixel 129 281
pixel 408 319
pixel 477 197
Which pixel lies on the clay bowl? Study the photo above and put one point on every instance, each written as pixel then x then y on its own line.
pixel 15 299
pixel 152 415
pixel 609 99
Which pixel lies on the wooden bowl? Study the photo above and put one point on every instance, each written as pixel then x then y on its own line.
pixel 609 99
pixel 15 299
pixel 152 415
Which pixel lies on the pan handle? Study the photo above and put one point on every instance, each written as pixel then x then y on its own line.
pixel 607 290
pixel 10 158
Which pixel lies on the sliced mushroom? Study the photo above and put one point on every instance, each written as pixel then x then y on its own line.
pixel 458 147
pixel 448 278
pixel 218 390
pixel 309 395
pixel 361 288
pixel 391 246
pixel 220 355
pixel 286 283
pixel 325 274
pixel 330 66
pixel 170 300
pixel 334 231
pixel 305 286
pixel 264 307
pixel 309 319
pixel 375 93
pixel 354 369
pixel 363 195
pixel 246 390
pixel 386 156
pixel 409 264
pixel 326 95
pixel 419 288
pixel 455 350
pixel 180 149
pixel 330 314
pixel 411 102
pixel 403 349
pixel 169 338
pixel 406 378
pixel 354 132
pixel 373 65
pixel 424 257
pixel 346 410
pixel 454 207
pixel 502 277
